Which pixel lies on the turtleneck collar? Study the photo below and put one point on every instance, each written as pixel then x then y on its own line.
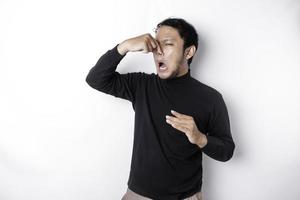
pixel 177 79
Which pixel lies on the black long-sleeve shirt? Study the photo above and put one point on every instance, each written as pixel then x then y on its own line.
pixel 164 164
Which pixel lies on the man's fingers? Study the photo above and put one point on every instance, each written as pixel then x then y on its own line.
pixel 147 47
pixel 150 48
pixel 155 45
pixel 177 114
pixel 182 121
pixel 178 127
pixel 158 48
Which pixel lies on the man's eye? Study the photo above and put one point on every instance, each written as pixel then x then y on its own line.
pixel 168 44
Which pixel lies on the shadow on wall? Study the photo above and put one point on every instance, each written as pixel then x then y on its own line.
pixel 287 178
pixel 199 55
pixel 297 4
pixel 208 168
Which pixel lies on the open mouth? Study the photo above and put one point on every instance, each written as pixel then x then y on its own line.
pixel 162 66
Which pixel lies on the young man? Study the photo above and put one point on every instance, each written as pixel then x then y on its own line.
pixel 177 118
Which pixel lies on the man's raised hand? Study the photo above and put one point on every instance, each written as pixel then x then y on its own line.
pixel 144 43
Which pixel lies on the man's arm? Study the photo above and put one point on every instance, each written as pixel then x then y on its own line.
pixel 219 143
pixel 104 77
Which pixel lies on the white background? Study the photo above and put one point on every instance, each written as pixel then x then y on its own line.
pixel 62 140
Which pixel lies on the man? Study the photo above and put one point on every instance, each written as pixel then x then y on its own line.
pixel 176 116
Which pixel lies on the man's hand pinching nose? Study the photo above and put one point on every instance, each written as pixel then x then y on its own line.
pixel 157 47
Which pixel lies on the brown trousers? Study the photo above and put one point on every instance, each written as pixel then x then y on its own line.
pixel 130 195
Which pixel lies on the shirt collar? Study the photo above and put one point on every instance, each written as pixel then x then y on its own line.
pixel 177 79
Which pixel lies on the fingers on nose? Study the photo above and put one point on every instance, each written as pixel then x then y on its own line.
pixel 159 50
pixel 153 44
pixel 149 48
pixel 156 46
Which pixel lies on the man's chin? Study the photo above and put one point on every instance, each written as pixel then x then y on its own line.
pixel 164 75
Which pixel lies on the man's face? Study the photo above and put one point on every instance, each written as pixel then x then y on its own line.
pixel 172 63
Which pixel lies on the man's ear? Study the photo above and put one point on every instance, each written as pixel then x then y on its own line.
pixel 190 52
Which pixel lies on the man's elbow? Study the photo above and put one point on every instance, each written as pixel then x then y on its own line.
pixel 229 153
pixel 89 80
pixel 92 82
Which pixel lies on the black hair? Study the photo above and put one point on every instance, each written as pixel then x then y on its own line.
pixel 186 31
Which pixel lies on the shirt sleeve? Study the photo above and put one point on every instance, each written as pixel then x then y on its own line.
pixel 220 145
pixel 104 77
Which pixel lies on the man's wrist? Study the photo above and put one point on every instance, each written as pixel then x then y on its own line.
pixel 202 140
pixel 122 50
